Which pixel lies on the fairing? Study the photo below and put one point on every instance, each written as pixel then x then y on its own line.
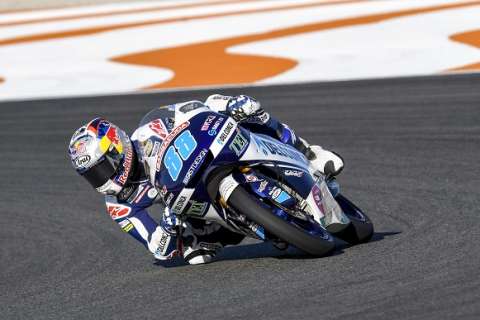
pixel 206 140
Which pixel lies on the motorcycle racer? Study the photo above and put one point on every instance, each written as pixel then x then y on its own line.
pixel 115 165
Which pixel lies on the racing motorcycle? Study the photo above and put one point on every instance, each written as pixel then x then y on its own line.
pixel 209 167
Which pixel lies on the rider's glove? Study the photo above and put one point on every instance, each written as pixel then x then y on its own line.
pixel 243 107
pixel 165 236
pixel 169 221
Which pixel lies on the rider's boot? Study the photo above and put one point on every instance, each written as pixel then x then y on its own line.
pixel 197 252
pixel 202 241
pixel 327 162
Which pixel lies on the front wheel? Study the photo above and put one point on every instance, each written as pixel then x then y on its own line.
pixel 360 229
pixel 318 245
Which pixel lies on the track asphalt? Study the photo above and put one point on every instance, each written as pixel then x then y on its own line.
pixel 412 150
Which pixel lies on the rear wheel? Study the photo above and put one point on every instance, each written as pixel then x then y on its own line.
pixel 318 245
pixel 360 229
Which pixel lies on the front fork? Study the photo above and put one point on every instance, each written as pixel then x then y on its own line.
pixel 321 202
pixel 331 182
pixel 283 203
pixel 333 186
pixel 279 197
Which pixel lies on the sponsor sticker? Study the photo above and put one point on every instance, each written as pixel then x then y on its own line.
pixel 126 225
pixel 227 186
pixel 269 147
pixel 197 208
pixel 112 134
pixel 162 244
pixel 82 161
pixel 123 223
pixel 262 186
pixel 275 192
pixel 223 136
pixel 317 197
pixel 294 173
pixel 227 130
pixel 159 128
pixel 127 165
pixel 208 122
pixel 196 163
pixel 220 97
pixel 213 130
pixel 191 106
pixel 118 211
pixel 140 193
pixel 180 204
pixel 251 178
pixel 238 144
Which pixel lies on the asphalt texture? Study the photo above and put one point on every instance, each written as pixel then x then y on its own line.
pixel 412 151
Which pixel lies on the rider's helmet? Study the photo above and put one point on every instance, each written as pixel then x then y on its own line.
pixel 103 154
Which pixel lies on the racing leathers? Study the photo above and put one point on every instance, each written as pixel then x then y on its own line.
pixel 201 240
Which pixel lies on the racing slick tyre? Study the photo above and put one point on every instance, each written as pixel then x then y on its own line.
pixel 360 229
pixel 242 201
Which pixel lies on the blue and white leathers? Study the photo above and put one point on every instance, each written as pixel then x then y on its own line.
pixel 131 213
pixel 132 216
pixel 203 141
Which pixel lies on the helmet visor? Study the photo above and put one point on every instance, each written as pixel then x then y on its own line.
pixel 102 171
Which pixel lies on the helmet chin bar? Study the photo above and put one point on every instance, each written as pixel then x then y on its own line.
pixel 110 188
